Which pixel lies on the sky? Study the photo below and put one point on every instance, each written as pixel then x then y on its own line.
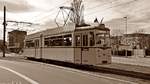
pixel 43 12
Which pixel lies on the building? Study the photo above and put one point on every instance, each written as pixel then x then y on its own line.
pixel 2 46
pixel 137 40
pixel 134 42
pixel 16 40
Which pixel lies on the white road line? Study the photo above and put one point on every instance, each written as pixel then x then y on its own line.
pixel 19 74
pixel 100 76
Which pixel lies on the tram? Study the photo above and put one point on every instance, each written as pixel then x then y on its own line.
pixel 74 42
pixel 89 45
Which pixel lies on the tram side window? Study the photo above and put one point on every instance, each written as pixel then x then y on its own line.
pixel 67 40
pixel 29 44
pixel 37 43
pixel 57 42
pixel 92 40
pixel 78 40
pixel 85 40
pixel 46 41
pixel 51 42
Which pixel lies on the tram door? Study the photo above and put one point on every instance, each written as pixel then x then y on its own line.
pixel 82 50
pixel 78 44
pixel 41 45
pixel 36 45
pixel 85 49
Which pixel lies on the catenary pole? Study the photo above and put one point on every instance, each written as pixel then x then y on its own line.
pixel 4 32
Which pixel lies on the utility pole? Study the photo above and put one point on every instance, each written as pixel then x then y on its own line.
pixel 126 26
pixel 4 23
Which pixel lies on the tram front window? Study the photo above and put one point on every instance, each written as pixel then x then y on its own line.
pixel 107 40
pixel 102 39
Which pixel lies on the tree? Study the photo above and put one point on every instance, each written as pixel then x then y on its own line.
pixel 117 32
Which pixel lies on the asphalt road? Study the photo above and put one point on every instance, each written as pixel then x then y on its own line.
pixel 18 72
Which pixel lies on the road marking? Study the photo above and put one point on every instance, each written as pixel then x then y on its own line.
pixel 19 74
pixel 95 75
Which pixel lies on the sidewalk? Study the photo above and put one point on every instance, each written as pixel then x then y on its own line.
pixel 140 61
pixel 127 67
pixel 11 56
pixel 136 67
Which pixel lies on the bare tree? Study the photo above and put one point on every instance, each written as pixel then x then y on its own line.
pixel 142 38
pixel 140 31
pixel 117 32
pixel 117 37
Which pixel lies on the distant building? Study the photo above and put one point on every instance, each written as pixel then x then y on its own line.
pixel 137 40
pixel 16 40
pixel 131 42
pixel 2 46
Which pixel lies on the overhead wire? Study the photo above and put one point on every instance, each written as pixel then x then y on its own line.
pixel 103 4
pixel 106 9
pixel 51 10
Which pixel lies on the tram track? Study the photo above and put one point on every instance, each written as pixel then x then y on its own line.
pixel 97 69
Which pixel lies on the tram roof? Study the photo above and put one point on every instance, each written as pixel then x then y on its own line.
pixel 62 30
pixel 92 27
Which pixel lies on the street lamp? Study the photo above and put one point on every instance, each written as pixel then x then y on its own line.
pixel 126 23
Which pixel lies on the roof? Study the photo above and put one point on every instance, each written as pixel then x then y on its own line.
pixel 68 29
pixel 137 34
pixel 99 27
pixel 52 31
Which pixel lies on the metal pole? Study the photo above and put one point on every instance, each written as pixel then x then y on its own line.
pixel 126 34
pixel 4 23
pixel 41 39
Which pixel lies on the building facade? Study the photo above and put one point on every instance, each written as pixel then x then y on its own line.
pixel 135 42
pixel 16 40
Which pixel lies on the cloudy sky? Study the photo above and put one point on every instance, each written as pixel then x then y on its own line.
pixel 44 12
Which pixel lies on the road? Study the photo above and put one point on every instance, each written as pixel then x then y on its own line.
pixel 28 72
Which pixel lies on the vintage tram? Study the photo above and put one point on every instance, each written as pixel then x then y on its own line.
pixel 88 45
